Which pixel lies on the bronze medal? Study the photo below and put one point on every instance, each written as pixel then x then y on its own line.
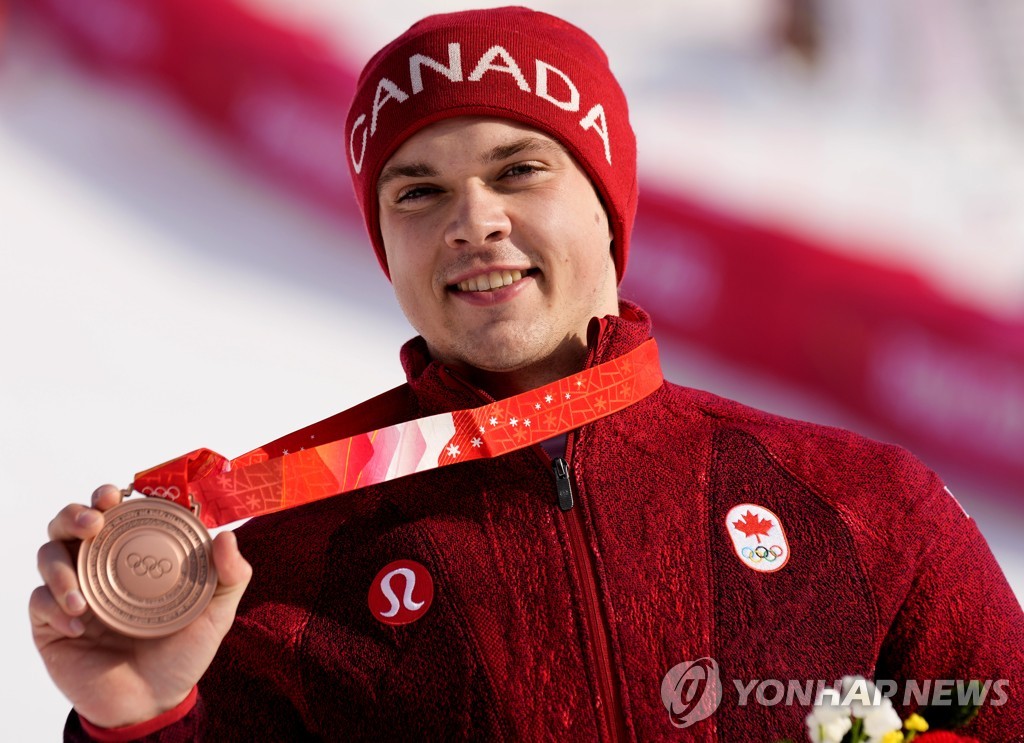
pixel 149 572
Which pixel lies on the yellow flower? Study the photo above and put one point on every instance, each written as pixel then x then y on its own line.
pixel 916 723
pixel 894 737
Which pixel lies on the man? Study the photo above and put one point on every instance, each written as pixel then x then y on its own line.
pixel 493 159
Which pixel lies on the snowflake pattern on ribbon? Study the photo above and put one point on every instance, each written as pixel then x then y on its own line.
pixel 257 483
pixel 567 404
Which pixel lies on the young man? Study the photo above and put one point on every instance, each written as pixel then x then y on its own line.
pixel 492 156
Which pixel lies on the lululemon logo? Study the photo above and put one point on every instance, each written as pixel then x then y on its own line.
pixel 401 593
pixel 691 691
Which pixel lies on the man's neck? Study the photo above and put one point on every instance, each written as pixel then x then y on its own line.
pixel 571 358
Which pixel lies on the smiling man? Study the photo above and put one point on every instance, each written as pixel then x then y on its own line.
pixel 498 248
pixel 613 557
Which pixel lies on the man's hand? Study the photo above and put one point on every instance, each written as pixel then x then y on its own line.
pixel 113 680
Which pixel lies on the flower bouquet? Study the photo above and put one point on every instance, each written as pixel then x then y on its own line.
pixel 859 713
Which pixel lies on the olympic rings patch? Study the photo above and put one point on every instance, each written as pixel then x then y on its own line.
pixel 757 537
pixel 760 552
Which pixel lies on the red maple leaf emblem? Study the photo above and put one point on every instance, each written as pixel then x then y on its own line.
pixel 753 525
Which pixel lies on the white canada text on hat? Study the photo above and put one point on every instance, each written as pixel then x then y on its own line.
pixel 495 59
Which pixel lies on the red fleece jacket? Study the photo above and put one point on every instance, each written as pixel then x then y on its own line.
pixel 562 624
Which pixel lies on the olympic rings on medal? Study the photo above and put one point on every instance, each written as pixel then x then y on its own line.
pixel 169 493
pixel 761 553
pixel 148 564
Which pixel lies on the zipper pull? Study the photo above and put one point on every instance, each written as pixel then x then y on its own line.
pixel 563 484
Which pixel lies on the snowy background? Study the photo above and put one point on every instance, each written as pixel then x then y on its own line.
pixel 157 295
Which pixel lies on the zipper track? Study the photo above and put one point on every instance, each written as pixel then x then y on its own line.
pixel 612 708
pixel 586 570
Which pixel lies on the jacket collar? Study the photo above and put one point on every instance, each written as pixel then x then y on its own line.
pixel 439 389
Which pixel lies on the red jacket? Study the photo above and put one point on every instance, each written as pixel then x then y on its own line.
pixel 563 624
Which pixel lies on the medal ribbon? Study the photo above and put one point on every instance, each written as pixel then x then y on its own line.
pixel 258 483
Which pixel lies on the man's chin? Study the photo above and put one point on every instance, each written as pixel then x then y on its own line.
pixel 515 362
pixel 497 362
pixel 501 355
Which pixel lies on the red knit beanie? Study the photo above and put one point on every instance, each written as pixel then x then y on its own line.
pixel 512 63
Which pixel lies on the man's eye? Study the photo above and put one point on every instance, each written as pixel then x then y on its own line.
pixel 415 192
pixel 522 169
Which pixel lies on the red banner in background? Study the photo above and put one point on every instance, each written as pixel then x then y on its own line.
pixel 946 380
pixel 278 96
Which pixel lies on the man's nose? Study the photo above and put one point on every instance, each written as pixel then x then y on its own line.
pixel 479 218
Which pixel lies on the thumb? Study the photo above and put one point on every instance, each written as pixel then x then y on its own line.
pixel 233 574
pixel 233 571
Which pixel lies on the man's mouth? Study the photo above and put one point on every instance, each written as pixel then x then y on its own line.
pixel 492 281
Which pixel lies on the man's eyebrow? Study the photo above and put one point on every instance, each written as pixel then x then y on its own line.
pixel 496 154
pixel 503 151
pixel 404 170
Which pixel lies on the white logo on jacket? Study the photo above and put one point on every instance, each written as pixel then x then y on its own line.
pixel 389 594
pixel 416 587
pixel 757 537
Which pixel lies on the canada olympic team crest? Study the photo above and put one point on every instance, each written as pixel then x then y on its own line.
pixel 757 536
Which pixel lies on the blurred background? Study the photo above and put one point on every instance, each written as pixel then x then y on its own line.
pixel 831 228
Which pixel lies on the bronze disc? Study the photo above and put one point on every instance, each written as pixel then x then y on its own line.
pixel 149 572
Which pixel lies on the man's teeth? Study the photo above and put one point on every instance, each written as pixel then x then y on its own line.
pixel 493 280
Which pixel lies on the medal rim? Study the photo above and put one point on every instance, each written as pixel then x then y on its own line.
pixel 96 597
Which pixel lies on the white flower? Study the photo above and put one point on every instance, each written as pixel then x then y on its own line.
pixel 867 703
pixel 857 699
pixel 848 681
pixel 827 732
pixel 861 695
pixel 830 719
pixel 881 719
pixel 828 706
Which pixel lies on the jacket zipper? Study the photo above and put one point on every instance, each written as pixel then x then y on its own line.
pixel 586 569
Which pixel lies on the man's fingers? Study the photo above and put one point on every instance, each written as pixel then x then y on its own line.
pixel 106 497
pixel 233 571
pixel 76 522
pixel 44 613
pixel 58 573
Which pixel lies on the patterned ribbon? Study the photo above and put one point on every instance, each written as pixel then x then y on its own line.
pixel 258 483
